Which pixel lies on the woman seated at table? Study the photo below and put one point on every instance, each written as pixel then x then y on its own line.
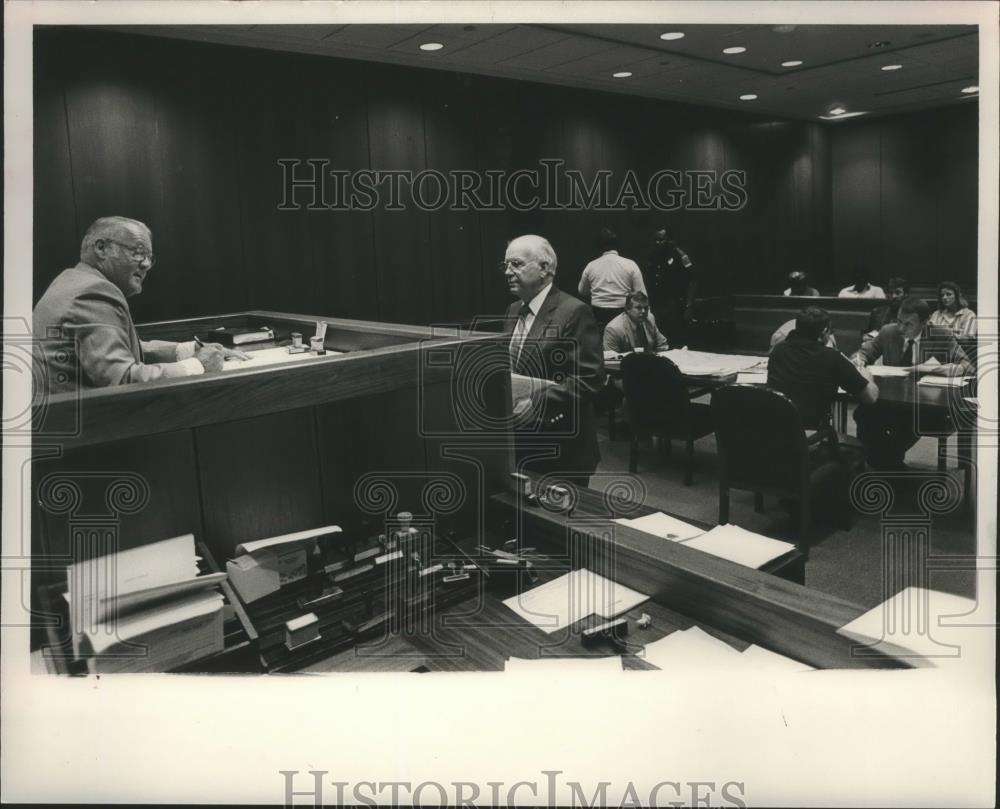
pixel 953 311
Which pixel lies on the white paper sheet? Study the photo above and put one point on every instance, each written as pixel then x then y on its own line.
pixel 571 597
pixel 691 648
pixel 299 536
pixel 705 363
pixel 663 526
pixel 943 381
pixel 739 545
pixel 751 378
pixel 269 356
pixel 762 659
pixel 918 619
pixel 887 370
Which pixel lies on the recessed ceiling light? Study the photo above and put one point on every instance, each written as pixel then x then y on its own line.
pixel 891 67
pixel 972 89
pixel 792 63
pixel 841 117
pixel 748 97
pixel 672 35
pixel 431 46
pixel 621 74
pixel 734 49
pixel 837 111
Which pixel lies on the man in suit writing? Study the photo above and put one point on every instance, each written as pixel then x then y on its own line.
pixel 554 337
pixel 83 327
pixel 911 342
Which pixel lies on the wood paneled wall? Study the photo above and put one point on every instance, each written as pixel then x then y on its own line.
pixel 905 196
pixel 187 137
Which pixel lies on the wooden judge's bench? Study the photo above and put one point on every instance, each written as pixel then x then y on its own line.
pixel 400 418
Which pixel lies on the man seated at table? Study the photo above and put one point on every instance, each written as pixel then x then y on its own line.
pixel 911 342
pixel 786 328
pixel 83 329
pixel 634 328
pixel 809 372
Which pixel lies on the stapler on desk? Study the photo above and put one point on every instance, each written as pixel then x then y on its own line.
pixel 613 632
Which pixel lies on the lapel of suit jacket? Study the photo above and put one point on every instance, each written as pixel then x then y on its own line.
pixel 544 316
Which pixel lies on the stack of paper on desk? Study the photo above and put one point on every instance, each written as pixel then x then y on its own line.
pixel 943 381
pixel 573 596
pixel 888 370
pixel 928 623
pixel 662 525
pixel 739 545
pixel 705 363
pixel 144 609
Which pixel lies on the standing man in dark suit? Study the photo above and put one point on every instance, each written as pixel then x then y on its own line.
pixel 84 335
pixel 672 281
pixel 554 338
pixel 911 342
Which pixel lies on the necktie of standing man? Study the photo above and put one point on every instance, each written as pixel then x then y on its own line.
pixel 520 332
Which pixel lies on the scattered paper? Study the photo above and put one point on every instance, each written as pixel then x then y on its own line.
pixel 690 648
pixel 888 370
pixel 928 623
pixel 572 597
pixel 739 545
pixel 269 356
pixel 705 363
pixel 663 526
pixel 943 381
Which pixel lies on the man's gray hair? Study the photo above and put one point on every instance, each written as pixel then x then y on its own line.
pixel 108 227
pixel 543 251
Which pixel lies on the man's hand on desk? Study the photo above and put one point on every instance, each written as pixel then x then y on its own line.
pixel 234 354
pixel 211 356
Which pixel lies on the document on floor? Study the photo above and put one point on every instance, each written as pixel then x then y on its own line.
pixel 572 597
pixel 930 624
pixel 662 525
pixel 739 545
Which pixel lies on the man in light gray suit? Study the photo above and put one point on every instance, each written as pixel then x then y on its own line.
pixel 83 329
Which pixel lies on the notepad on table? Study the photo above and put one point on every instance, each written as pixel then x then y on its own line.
pixel 663 526
pixel 690 648
pixel 739 545
pixel 572 597
pixel 943 381
pixel 888 370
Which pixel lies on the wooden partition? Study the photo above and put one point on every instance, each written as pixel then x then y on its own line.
pixel 345 439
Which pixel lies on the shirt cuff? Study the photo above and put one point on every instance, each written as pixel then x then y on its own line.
pixel 186 350
pixel 192 367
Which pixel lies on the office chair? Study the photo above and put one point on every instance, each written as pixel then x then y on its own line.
pixel 658 403
pixel 764 448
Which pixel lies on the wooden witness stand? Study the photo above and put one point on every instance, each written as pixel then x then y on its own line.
pixel 350 439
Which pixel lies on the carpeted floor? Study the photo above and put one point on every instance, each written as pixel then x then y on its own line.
pixel 846 563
